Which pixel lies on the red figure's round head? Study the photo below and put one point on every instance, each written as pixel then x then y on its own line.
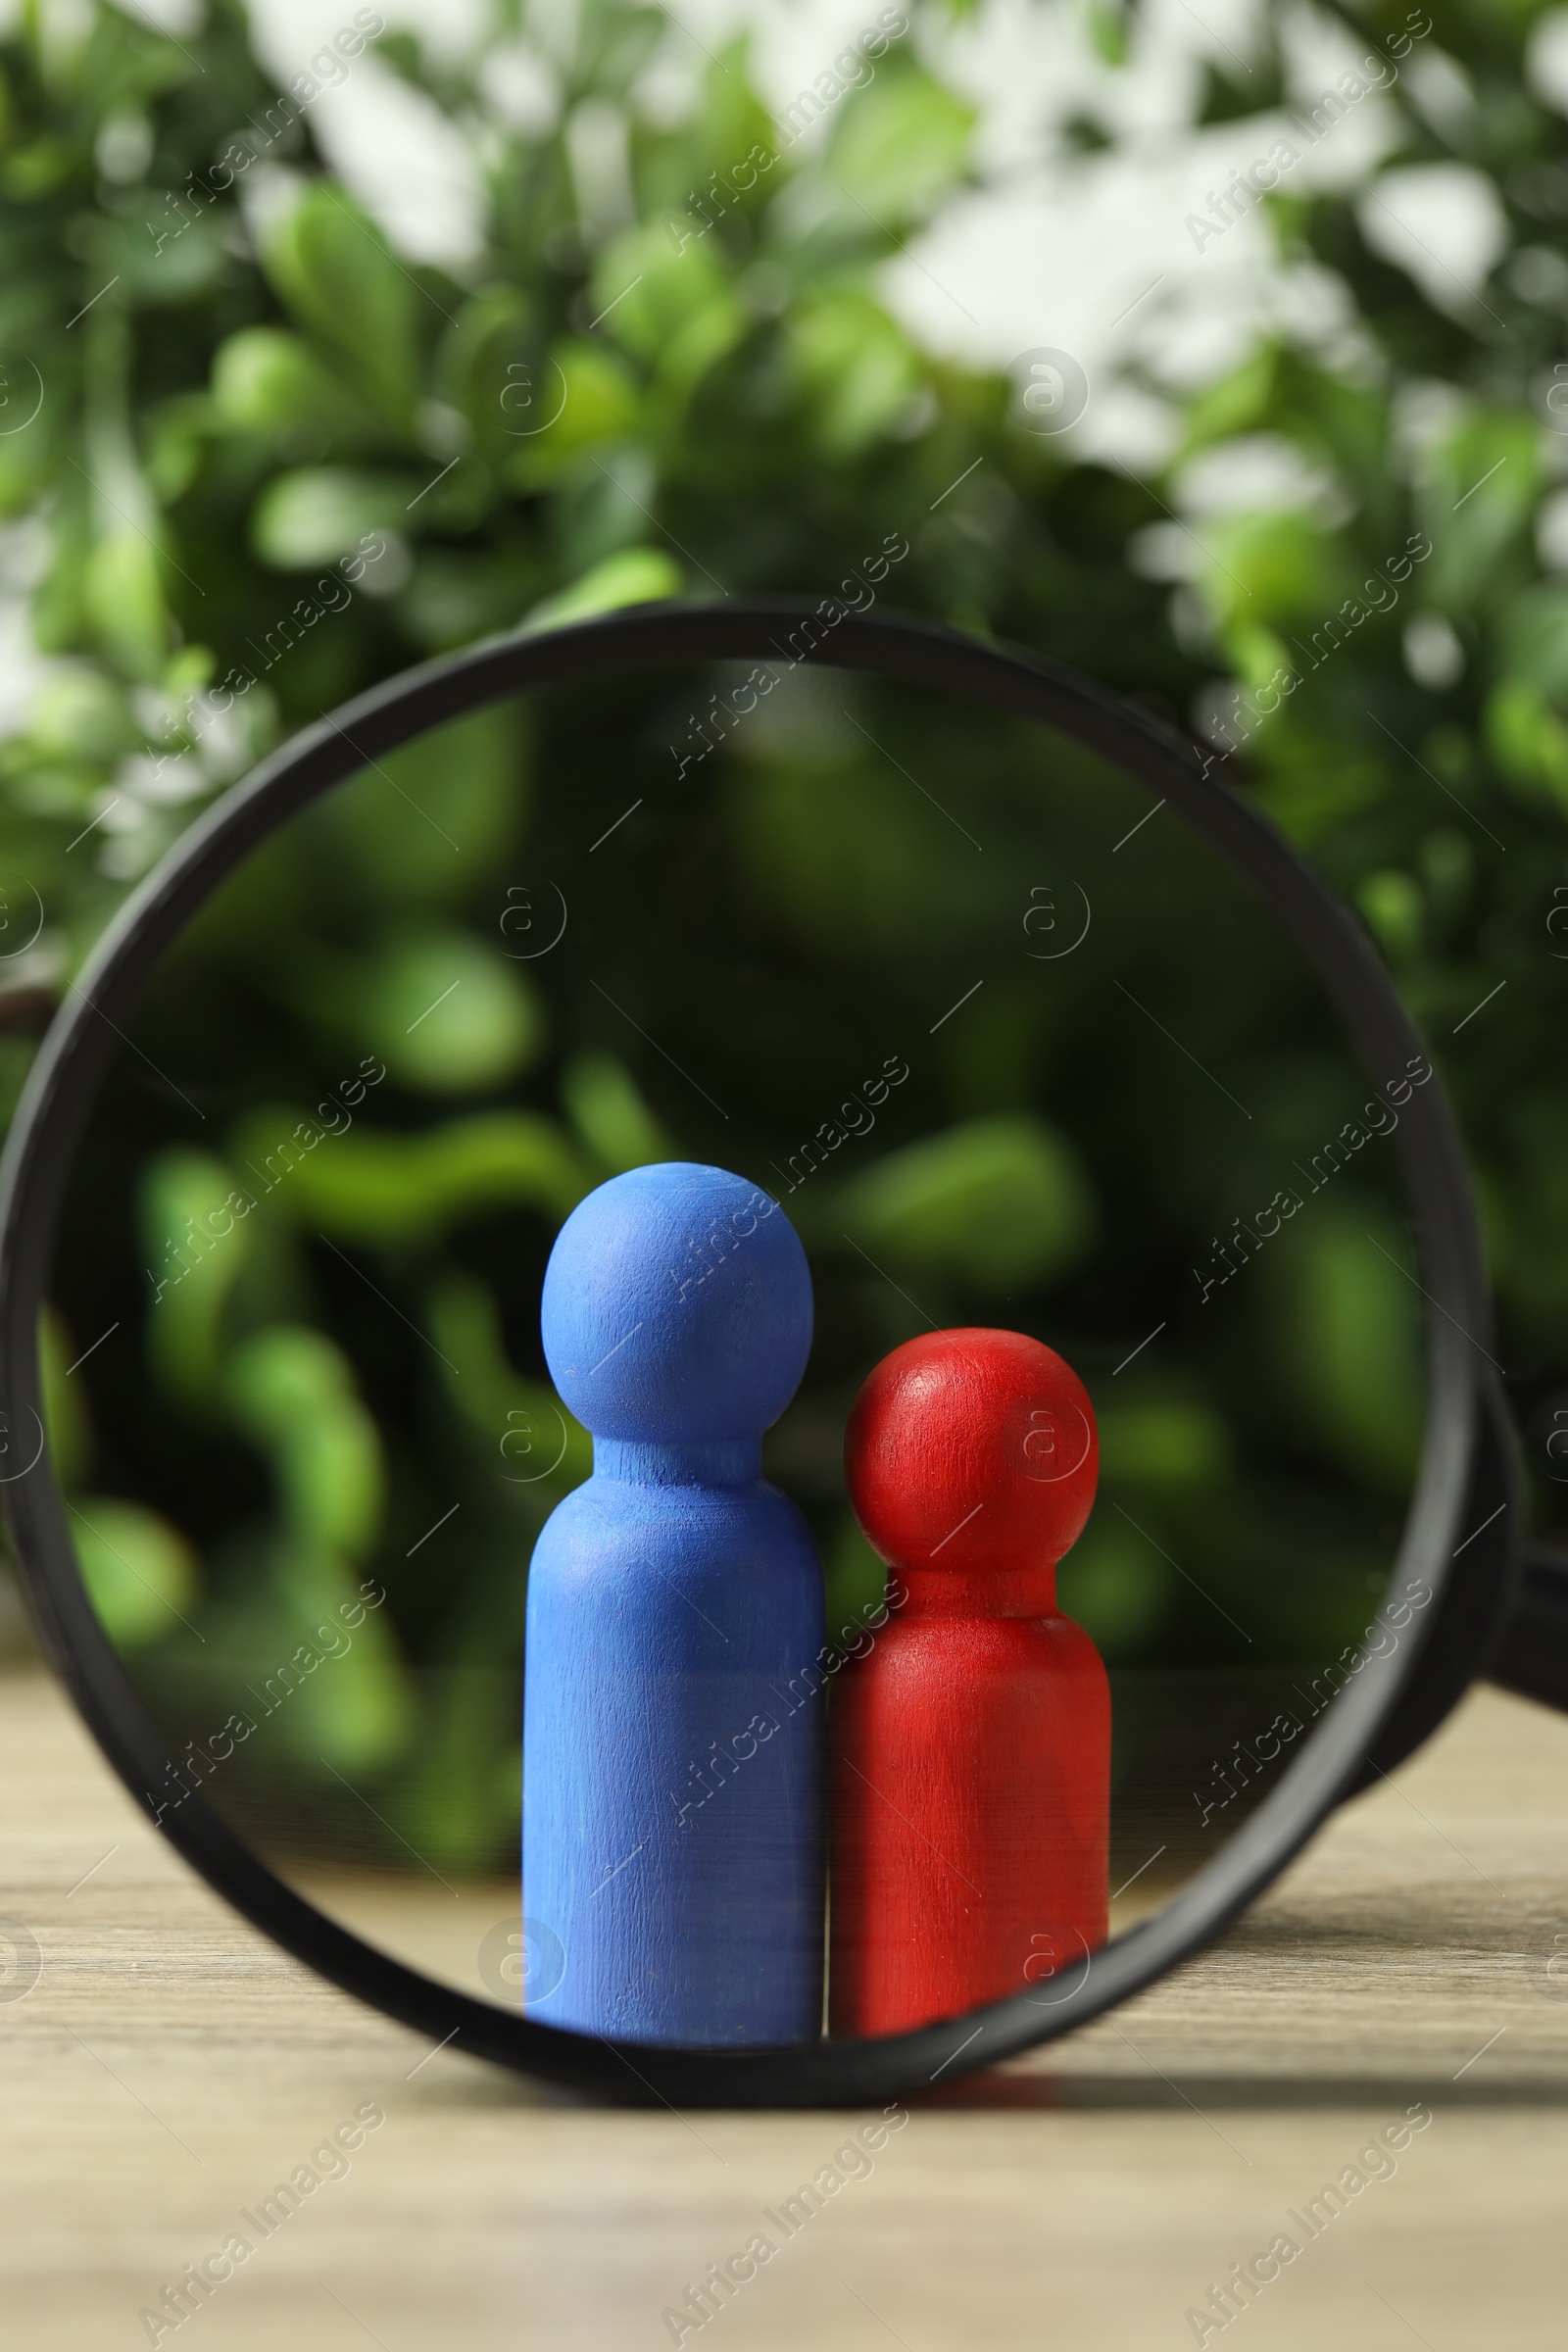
pixel 972 1451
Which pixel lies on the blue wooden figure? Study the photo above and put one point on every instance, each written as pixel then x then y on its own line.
pixel 672 1807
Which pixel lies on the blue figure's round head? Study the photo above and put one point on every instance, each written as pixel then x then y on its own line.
pixel 677 1308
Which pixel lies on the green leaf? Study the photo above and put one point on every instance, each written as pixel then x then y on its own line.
pixel 323 512
pixel 1238 403
pixel 1165 1445
pixel 604 1105
pixel 1477 504
pixel 530 1431
pixel 337 274
pixel 1346 1328
pixel 266 380
pixel 492 369
pixel 900 146
pixel 651 293
pixel 589 400
pixel 370 1185
pixel 358 1708
pixel 1109 29
pixel 139 1571
pixel 294 1393
pixel 447 1013
pixel 857 369
pixel 123 592
pixel 1001 1204
pixel 1273 567
pixel 184 268
pixel 676 312
pixel 1533 640
pixel 1529 742
pixel 78 713
pixel 195 1241
pixel 633 576
pixel 1392 903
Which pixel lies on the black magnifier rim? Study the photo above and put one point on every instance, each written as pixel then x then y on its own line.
pixel 62 1087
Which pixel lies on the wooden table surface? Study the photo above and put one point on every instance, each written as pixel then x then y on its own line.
pixel 168 2067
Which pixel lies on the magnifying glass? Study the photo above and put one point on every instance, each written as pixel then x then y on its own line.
pixel 493 1164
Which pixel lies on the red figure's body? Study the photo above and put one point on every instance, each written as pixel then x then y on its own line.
pixel 971 1743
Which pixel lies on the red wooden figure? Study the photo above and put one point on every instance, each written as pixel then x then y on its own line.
pixel 971 1742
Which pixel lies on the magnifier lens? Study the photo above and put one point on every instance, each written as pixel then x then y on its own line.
pixel 986 1039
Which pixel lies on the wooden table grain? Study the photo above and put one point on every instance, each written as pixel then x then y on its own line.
pixel 168 2068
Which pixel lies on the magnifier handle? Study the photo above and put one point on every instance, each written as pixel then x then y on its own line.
pixel 1532 1655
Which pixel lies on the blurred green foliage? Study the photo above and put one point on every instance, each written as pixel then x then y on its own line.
pixel 275 461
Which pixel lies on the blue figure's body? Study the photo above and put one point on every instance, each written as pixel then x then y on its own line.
pixel 672 1791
